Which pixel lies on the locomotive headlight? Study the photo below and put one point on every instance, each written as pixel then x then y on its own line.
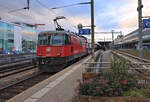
pixel 48 49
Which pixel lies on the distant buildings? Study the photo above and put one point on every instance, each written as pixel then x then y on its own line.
pixel 17 37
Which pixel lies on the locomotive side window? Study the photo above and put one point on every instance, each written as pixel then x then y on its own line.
pixel 80 42
pixel 57 39
pixel 75 41
pixel 49 40
pixel 67 40
pixel 42 40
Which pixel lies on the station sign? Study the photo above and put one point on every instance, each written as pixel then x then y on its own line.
pixel 146 23
pixel 84 31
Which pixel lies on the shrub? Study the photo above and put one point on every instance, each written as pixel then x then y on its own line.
pixel 113 83
pixel 133 93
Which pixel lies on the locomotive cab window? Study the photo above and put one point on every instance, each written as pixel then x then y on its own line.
pixel 57 39
pixel 42 40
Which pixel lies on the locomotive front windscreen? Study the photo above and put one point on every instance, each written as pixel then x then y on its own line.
pixel 54 39
pixel 57 39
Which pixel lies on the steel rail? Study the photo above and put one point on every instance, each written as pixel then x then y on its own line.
pixel 20 81
pixel 17 71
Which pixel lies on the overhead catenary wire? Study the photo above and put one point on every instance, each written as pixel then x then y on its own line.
pixel 82 3
pixel 27 7
pixel 43 5
pixel 17 10
pixel 51 10
pixel 46 7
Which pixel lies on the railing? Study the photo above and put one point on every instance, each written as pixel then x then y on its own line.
pixel 95 67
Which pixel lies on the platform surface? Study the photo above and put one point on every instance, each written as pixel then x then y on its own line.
pixel 58 88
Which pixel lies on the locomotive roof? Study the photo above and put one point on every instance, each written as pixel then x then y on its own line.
pixel 57 32
pixel 54 32
pixel 60 32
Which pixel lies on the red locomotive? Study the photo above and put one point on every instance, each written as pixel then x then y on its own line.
pixel 58 48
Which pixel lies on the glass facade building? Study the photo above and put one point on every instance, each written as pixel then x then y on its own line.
pixel 12 39
pixel 6 36
pixel 28 39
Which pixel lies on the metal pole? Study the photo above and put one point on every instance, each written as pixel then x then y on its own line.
pixel 140 6
pixel 112 39
pixel 92 26
pixel 104 41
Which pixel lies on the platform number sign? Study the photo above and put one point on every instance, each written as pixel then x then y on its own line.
pixel 84 31
pixel 146 23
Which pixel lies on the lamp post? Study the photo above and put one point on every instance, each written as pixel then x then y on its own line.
pixel 139 9
pixel 112 39
pixel 92 26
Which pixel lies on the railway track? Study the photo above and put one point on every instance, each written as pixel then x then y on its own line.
pixel 140 65
pixel 135 57
pixel 12 90
pixel 13 66
pixel 5 73
pixel 17 87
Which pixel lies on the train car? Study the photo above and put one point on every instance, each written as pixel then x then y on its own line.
pixel 97 46
pixel 88 45
pixel 58 48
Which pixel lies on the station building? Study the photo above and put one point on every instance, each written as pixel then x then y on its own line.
pixel 17 37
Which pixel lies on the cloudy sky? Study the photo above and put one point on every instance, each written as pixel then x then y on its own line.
pixel 118 15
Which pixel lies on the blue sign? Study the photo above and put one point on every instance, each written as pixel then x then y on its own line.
pixel 84 31
pixel 146 23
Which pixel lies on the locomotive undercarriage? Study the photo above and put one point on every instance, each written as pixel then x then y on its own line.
pixel 52 64
pixel 55 64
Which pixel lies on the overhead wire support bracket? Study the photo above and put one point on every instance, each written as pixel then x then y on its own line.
pixel 27 7
pixel 82 3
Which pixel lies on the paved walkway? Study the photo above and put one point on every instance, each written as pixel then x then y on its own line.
pixel 105 57
pixel 58 88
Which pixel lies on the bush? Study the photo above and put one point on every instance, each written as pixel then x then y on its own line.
pixel 113 83
pixel 144 92
pixel 133 93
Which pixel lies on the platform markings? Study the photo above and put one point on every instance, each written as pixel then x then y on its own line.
pixel 31 100
pixel 51 85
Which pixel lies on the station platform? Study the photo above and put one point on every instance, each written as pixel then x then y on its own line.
pixel 60 87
